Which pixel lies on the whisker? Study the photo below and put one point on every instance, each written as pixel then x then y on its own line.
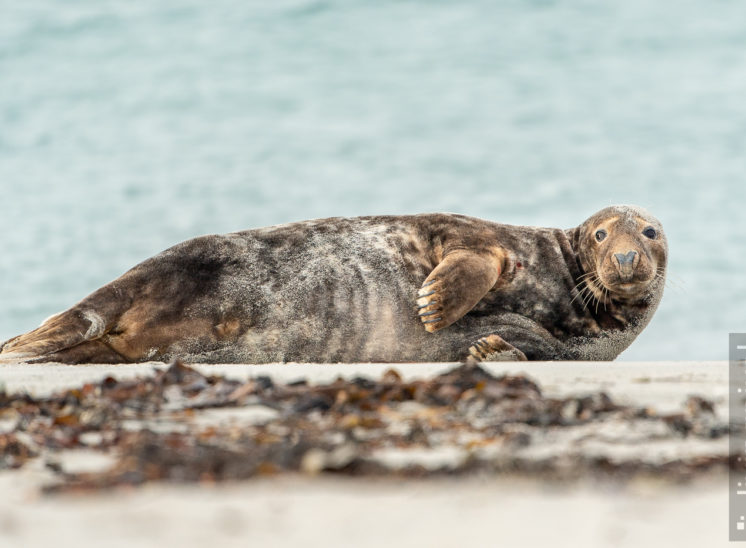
pixel 579 290
pixel 674 284
pixel 606 292
pixel 669 283
pixel 681 290
pixel 671 276
pixel 585 293
pixel 593 285
pixel 580 294
pixel 589 298
pixel 597 303
pixel 577 285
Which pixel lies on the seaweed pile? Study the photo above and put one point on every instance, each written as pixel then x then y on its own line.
pixel 464 421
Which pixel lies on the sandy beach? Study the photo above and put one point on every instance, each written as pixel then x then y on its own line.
pixel 332 510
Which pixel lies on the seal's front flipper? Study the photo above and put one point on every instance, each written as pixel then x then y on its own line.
pixel 458 283
pixel 493 348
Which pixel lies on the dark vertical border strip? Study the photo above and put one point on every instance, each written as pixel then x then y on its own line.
pixel 737 437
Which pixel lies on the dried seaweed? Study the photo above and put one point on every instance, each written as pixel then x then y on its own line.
pixel 464 421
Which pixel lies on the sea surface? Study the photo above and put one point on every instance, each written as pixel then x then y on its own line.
pixel 126 127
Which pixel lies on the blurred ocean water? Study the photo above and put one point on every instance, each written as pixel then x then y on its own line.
pixel 126 127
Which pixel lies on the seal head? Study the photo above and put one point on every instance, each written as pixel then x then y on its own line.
pixel 623 252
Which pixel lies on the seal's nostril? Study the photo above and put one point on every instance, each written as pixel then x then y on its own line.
pixel 624 259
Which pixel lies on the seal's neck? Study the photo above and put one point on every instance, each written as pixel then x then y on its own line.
pixel 573 238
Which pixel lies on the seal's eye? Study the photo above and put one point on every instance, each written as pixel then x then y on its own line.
pixel 600 235
pixel 650 232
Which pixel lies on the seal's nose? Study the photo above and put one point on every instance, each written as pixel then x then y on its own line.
pixel 624 259
pixel 626 263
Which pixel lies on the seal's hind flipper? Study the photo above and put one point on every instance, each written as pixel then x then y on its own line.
pixel 456 285
pixel 86 352
pixel 89 320
pixel 59 332
pixel 493 348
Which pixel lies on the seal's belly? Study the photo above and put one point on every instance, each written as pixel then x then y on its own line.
pixel 333 298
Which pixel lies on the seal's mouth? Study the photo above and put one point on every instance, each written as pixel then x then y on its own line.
pixel 605 290
pixel 629 286
pixel 627 289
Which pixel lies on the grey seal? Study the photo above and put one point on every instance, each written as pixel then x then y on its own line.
pixel 428 287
